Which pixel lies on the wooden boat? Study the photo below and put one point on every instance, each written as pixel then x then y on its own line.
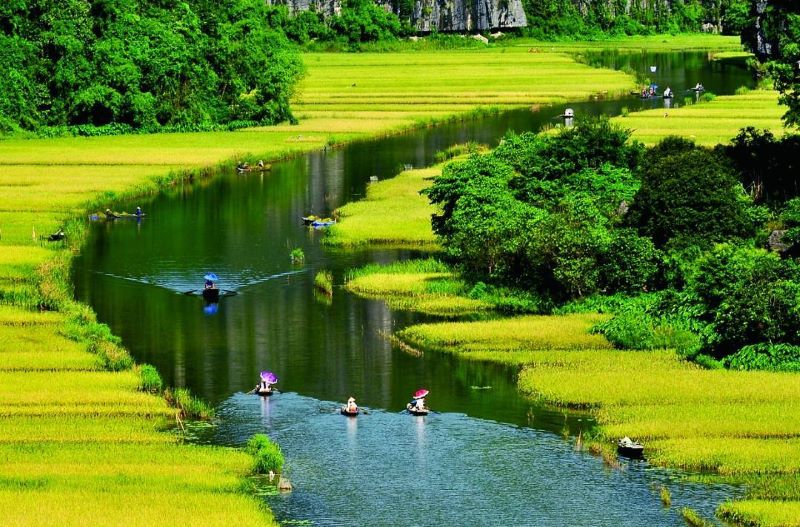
pixel 253 168
pixel 264 393
pixel 57 236
pixel 630 448
pixel 211 294
pixel 327 222
pixel 344 411
pixel 308 220
pixel 413 410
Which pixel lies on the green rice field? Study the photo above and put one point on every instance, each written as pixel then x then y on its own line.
pixel 708 123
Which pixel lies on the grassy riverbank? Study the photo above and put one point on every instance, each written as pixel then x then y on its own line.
pixel 742 425
pixel 427 286
pixel 84 444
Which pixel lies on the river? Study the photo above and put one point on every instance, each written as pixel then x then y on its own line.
pixel 485 457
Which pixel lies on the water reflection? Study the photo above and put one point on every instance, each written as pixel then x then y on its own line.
pixel 244 227
pixel 448 469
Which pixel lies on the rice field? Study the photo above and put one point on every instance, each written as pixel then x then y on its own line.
pixel 393 213
pixel 709 123
pixel 741 425
pixel 83 445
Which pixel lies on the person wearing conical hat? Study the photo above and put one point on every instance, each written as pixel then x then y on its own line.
pixel 351 405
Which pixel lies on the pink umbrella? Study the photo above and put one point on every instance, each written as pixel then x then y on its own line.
pixel 419 394
pixel 269 377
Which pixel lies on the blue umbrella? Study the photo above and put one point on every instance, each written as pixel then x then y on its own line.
pixel 211 276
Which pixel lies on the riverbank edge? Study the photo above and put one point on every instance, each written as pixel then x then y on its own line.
pixel 52 276
pixel 747 511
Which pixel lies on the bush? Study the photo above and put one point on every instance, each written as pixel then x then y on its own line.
pixel 707 97
pixel 297 255
pixel 692 195
pixel 324 282
pixel 510 301
pixel 637 324
pixel 744 296
pixel 188 405
pixel 765 356
pixel 112 356
pixel 150 379
pixel 267 454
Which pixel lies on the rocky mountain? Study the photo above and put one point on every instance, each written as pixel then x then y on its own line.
pixel 438 15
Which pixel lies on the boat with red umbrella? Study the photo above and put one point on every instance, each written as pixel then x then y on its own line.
pixel 265 384
pixel 417 405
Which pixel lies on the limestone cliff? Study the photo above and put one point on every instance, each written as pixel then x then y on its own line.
pixel 438 15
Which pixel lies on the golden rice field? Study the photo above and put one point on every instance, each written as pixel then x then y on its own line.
pixel 708 123
pixel 393 213
pixel 741 425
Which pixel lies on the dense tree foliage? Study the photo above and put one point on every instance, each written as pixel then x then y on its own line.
pixel 666 238
pixel 359 22
pixel 768 166
pixel 575 18
pixel 773 34
pixel 143 64
pixel 689 196
pixel 537 212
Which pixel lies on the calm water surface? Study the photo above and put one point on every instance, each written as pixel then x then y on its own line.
pixel 486 457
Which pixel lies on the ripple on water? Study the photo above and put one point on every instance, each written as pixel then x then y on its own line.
pixel 390 468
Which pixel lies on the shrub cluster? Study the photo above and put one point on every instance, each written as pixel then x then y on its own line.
pixel 266 453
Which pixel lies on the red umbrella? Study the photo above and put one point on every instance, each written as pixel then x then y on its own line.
pixel 419 394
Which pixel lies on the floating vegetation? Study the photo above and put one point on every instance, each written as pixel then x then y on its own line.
pixel 323 281
pixel 297 256
pixel 666 497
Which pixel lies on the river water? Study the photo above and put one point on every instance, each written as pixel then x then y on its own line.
pixel 485 457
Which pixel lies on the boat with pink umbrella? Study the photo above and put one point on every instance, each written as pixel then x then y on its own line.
pixel 265 384
pixel 417 405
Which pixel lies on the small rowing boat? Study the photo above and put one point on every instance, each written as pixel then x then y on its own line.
pixel 349 413
pixel 211 294
pixel 629 448
pixel 413 410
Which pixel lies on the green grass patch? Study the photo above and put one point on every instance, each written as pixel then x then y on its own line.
pixel 267 454
pixel 427 286
pixel 393 213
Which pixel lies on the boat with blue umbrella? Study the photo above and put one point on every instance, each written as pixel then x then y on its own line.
pixel 210 289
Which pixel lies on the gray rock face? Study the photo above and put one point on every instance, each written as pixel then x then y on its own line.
pixel 437 15
pixel 763 47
